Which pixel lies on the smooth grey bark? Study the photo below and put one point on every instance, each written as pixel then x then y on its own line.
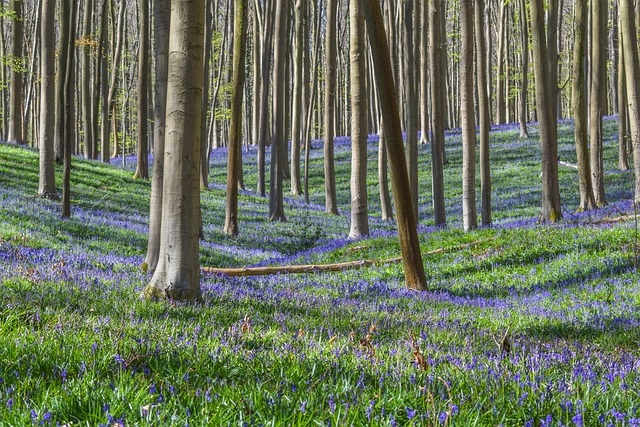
pixel 16 89
pixel 68 99
pixel 47 182
pixel 178 272
pixel 501 93
pixel 552 12
pixel 524 89
pixel 484 112
pixel 623 112
pixel 415 278
pixel 330 89
pixel 545 102
pixel 632 72
pixel 85 78
pixel 142 167
pixel 424 74
pixel 206 103
pixel 359 134
pixel 109 106
pixel 468 118
pixel 579 103
pixel 161 16
pixel 298 83
pixel 438 112
pixel 61 74
pixel 597 94
pixel 411 103
pixel 276 202
pixel 235 126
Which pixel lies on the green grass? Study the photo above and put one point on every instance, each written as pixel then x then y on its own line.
pixel 77 344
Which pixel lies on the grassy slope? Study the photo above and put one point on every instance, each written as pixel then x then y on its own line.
pixel 76 343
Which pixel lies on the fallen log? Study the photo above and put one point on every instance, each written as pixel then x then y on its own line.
pixel 612 220
pixel 322 268
pixel 568 165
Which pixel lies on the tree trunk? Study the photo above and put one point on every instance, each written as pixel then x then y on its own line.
pixel 178 272
pixel 235 127
pixel 552 51
pixel 632 71
pixel 47 182
pixel 87 119
pixel 438 112
pixel 161 16
pixel 484 111
pixel 206 102
pixel 623 108
pixel 359 134
pixel 411 109
pixel 331 202
pixel 598 96
pixel 407 224
pixel 524 89
pixel 545 102
pixel 16 89
pixel 276 202
pixel 68 97
pixel 63 52
pixel 468 119
pixel 501 94
pixel 297 113
pixel 109 106
pixel 142 169
pixel 579 102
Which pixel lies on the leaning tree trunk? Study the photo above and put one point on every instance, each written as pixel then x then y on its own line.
pixel 407 225
pixel 161 16
pixel 597 101
pixel 47 182
pixel 142 168
pixel 235 126
pixel 468 119
pixel 276 202
pixel 359 134
pixel 178 272
pixel 484 111
pixel 579 102
pixel 16 89
pixel 632 71
pixel 331 197
pixel 545 102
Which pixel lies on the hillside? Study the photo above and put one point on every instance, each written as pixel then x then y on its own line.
pixel 77 344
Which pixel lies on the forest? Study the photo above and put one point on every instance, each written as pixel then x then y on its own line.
pixel 308 212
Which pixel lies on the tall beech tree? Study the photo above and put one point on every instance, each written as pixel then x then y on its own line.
pixel 235 127
pixel 161 19
pixel 632 74
pixel 331 197
pixel 597 93
pixel 142 167
pixel 178 272
pixel 276 202
pixel 546 105
pixel 68 106
pixel 359 134
pixel 468 119
pixel 407 225
pixel 484 111
pixel 47 181
pixel 587 201
pixel 16 86
pixel 298 89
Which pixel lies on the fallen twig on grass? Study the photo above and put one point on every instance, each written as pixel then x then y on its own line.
pixel 612 220
pixel 321 268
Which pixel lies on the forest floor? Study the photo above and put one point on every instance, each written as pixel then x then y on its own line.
pixel 537 324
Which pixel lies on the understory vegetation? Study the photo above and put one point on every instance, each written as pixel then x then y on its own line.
pixel 524 324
